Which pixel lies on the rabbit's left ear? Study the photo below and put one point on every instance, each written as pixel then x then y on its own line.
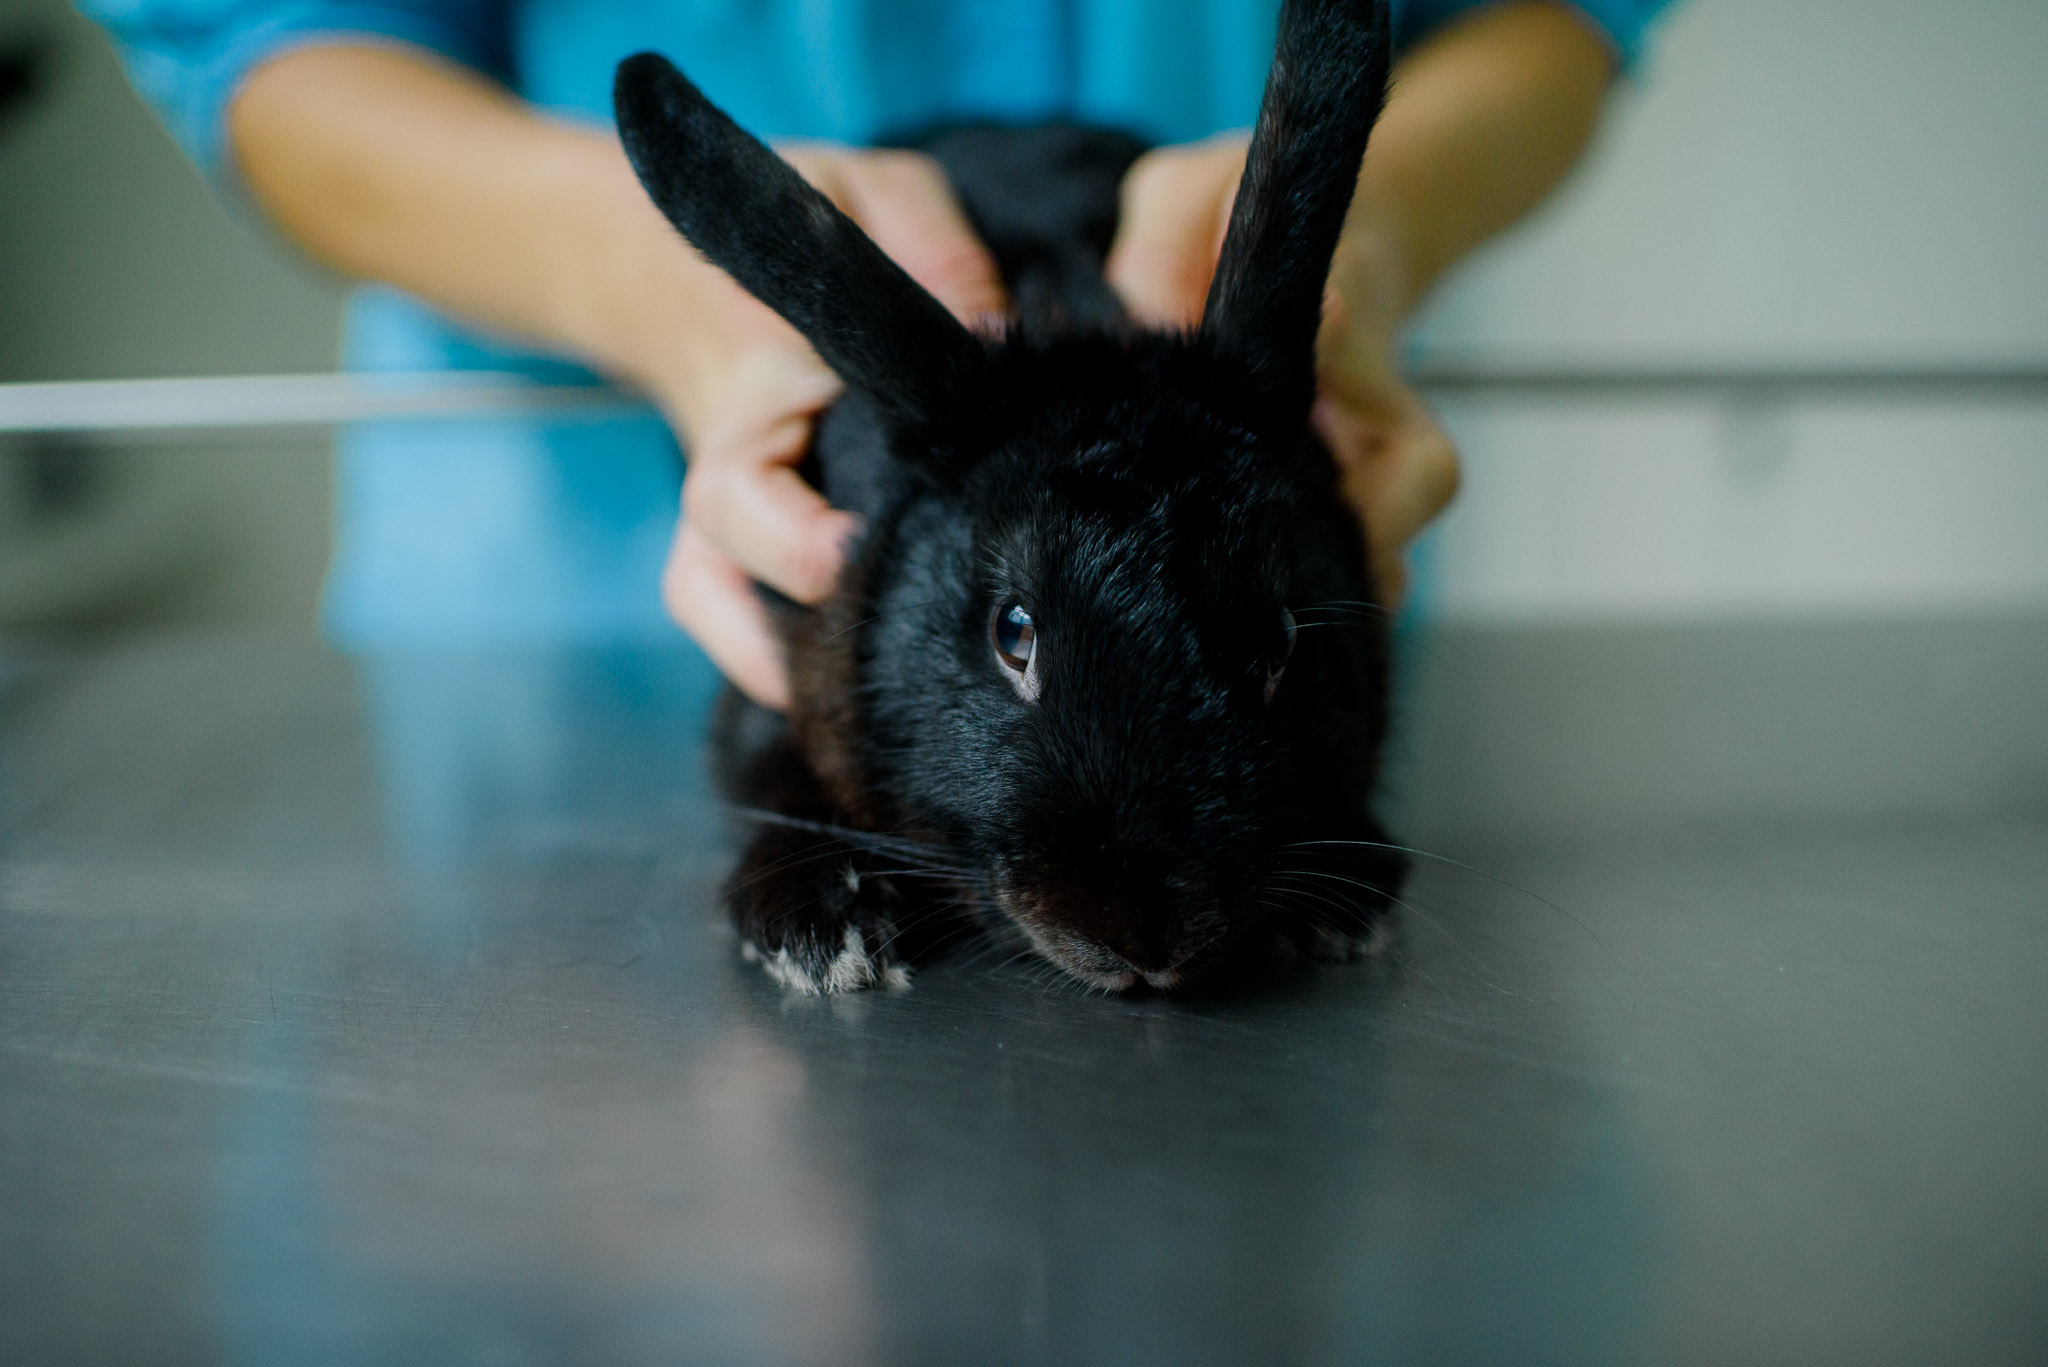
pixel 1328 81
pixel 750 213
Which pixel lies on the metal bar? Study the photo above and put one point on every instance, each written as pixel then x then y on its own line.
pixel 1691 384
pixel 271 402
pixel 276 402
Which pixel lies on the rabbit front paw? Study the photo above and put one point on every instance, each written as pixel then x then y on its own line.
pixel 819 925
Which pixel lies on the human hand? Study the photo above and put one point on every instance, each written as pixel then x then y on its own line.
pixel 1398 467
pixel 748 393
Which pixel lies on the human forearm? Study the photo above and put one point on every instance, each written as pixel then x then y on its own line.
pixel 390 165
pixel 1483 121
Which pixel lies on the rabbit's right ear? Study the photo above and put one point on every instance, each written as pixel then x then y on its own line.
pixel 1328 80
pixel 750 213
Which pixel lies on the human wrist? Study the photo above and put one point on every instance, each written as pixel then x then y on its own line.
pixel 662 318
pixel 1398 239
pixel 1370 290
pixel 620 293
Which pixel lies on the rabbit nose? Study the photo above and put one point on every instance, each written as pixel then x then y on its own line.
pixel 1146 950
pixel 1147 966
pixel 1155 963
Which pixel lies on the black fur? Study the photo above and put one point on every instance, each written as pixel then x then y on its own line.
pixel 1044 199
pixel 1328 81
pixel 1159 811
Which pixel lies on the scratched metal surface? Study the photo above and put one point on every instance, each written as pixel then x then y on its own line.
pixel 373 1012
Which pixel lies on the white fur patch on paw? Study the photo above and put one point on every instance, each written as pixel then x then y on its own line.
pixel 851 969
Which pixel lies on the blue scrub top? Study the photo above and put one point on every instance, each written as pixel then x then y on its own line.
pixel 512 530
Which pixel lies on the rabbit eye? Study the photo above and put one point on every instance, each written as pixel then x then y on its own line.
pixel 1015 637
pixel 1281 656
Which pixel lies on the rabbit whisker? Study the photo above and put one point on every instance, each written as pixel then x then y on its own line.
pixel 1459 864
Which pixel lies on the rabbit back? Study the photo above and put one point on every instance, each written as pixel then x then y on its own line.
pixel 1044 199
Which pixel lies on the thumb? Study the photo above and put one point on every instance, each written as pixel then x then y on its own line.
pixel 1399 469
pixel 1175 206
pixel 903 202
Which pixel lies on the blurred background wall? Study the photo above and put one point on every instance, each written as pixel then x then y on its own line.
pixel 1816 182
pixel 1791 182
pixel 116 262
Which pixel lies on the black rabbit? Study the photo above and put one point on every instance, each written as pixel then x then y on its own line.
pixel 1058 689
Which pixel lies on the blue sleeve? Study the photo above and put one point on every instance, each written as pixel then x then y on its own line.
pixel 187 57
pixel 1622 22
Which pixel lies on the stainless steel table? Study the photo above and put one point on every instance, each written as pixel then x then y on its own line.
pixel 374 1011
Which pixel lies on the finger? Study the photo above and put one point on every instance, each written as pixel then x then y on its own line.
pixel 1399 476
pixel 903 202
pixel 713 600
pixel 1174 206
pixel 751 369
pixel 776 527
pixel 1421 483
pixel 1370 457
pixel 1421 486
pixel 742 490
pixel 820 164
